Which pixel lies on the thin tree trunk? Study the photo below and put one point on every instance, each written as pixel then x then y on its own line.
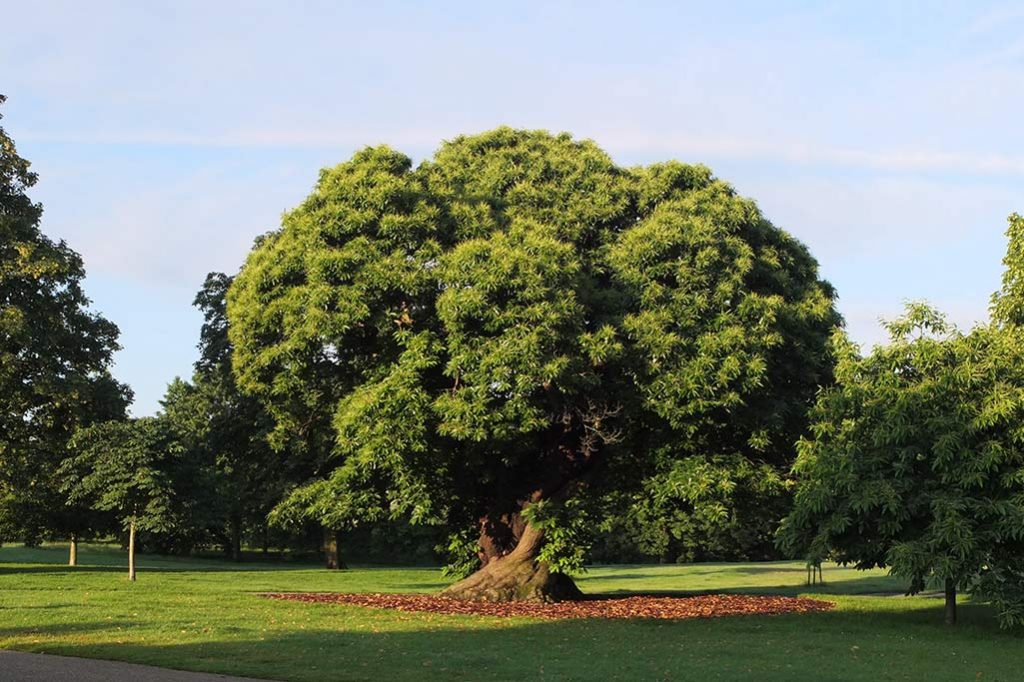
pixel 131 551
pixel 236 539
pixel 950 602
pixel 73 551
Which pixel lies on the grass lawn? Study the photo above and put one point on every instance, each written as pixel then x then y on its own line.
pixel 203 615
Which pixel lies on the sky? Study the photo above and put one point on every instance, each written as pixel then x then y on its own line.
pixel 888 136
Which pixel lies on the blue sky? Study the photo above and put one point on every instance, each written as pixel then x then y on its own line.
pixel 887 136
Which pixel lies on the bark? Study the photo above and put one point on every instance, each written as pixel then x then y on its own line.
pixel 131 551
pixel 73 552
pixel 516 576
pixel 236 539
pixel 332 549
pixel 950 602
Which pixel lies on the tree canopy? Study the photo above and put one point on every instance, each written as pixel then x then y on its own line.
pixel 55 357
pixel 500 336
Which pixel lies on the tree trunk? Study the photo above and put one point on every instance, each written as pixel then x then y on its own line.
pixel 73 551
pixel 516 576
pixel 332 549
pixel 950 602
pixel 236 539
pixel 131 551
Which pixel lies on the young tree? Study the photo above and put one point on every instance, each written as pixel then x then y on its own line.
pixel 499 337
pixel 915 462
pixel 129 468
pixel 55 358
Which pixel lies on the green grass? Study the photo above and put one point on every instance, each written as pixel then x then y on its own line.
pixel 203 615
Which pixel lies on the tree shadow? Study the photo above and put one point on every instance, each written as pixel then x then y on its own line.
pixel 7 568
pixel 101 556
pixel 867 585
pixel 61 629
pixel 804 646
pixel 37 568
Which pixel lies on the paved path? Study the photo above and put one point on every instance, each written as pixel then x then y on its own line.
pixel 20 667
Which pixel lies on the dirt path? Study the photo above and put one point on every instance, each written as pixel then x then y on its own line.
pixel 16 666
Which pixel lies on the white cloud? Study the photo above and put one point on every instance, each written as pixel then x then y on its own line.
pixel 168 228
pixel 994 19
pixel 616 141
pixel 302 137
pixel 878 216
pixel 805 153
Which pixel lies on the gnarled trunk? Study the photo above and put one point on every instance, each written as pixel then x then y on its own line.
pixel 516 575
pixel 509 545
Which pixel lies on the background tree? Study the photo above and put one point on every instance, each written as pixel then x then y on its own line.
pixel 915 462
pixel 55 358
pixel 131 469
pixel 724 508
pixel 507 333
pixel 227 429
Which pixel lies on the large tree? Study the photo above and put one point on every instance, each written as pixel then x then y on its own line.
pixel 55 356
pixel 503 335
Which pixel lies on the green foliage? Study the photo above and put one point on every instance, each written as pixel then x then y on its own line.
pixel 130 468
pixel 1008 302
pixel 568 532
pixel 915 460
pixel 55 357
pixel 520 321
pixel 460 553
pixel 699 509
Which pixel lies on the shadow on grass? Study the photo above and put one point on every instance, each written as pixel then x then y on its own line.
pixel 877 586
pixel 36 568
pixel 61 629
pixel 93 556
pixel 856 645
pixel 159 565
pixel 53 559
